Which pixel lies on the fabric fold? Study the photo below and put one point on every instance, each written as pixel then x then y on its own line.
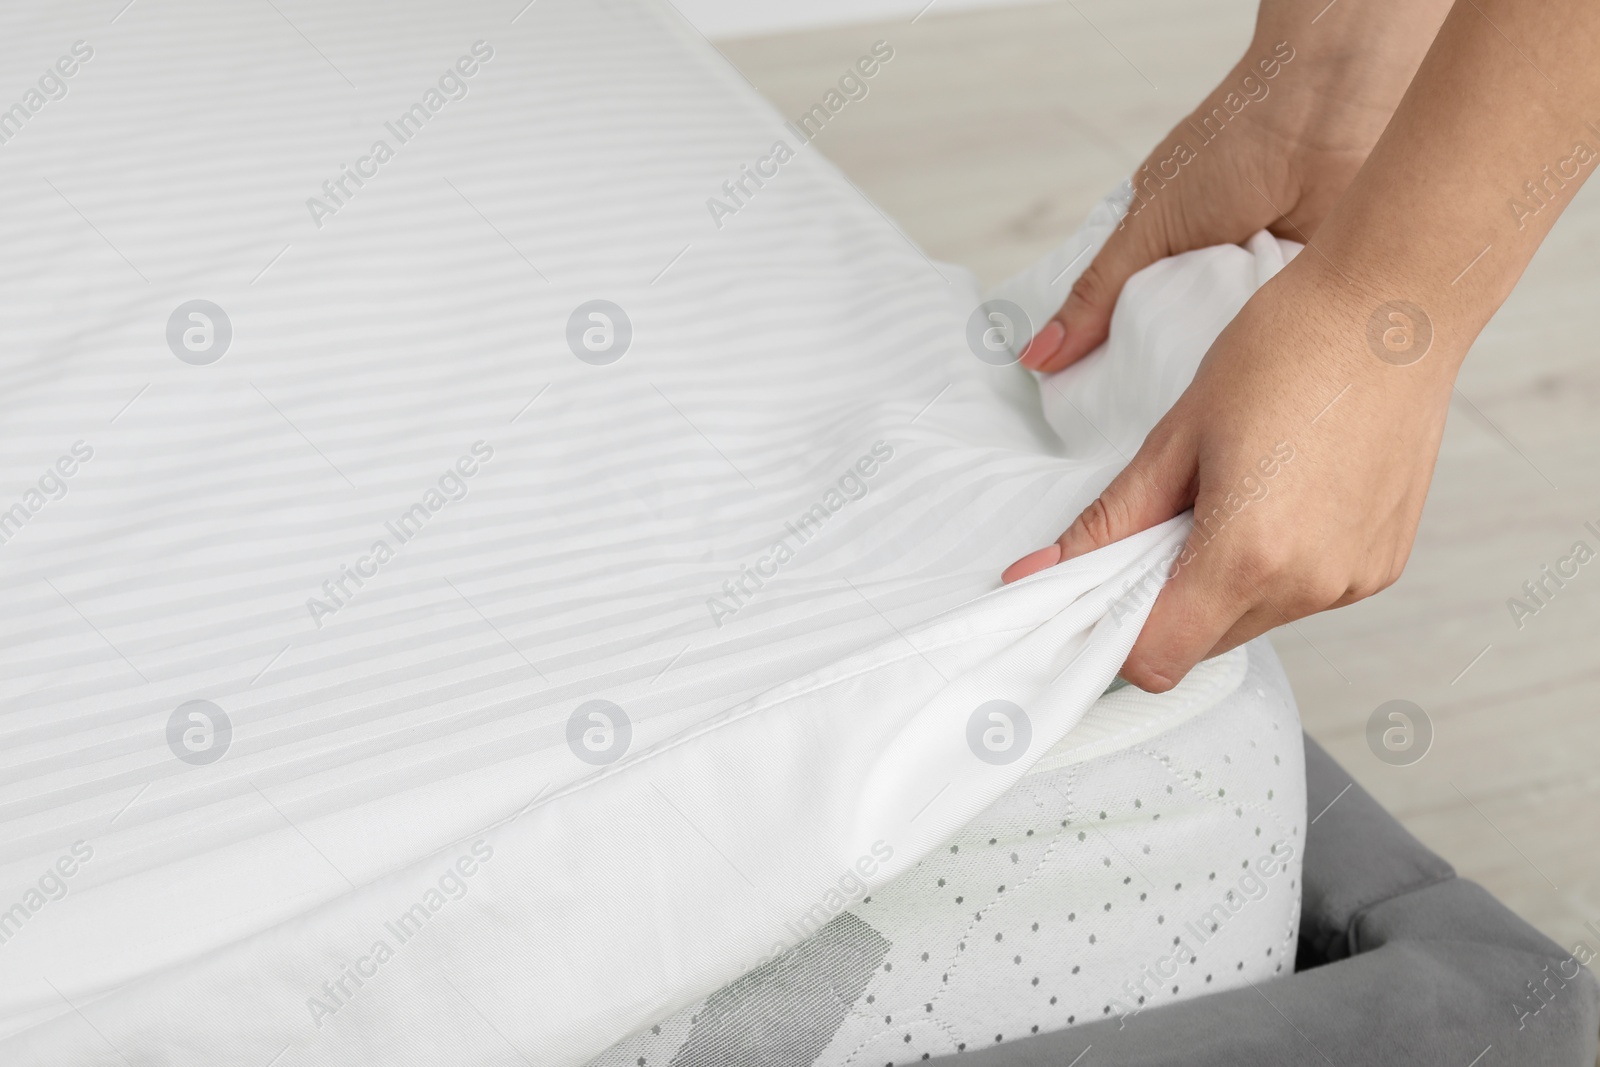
pixel 686 600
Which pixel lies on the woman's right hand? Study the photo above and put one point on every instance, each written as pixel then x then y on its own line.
pixel 1309 100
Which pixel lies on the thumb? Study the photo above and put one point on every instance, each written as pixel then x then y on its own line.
pixel 1084 319
pixel 1157 485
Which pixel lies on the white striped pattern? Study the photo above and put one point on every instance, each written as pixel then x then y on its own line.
pixel 367 357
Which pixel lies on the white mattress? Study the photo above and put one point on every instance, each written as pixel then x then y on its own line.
pixel 1117 875
pixel 375 754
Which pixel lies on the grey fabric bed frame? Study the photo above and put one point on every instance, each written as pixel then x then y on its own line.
pixel 1400 962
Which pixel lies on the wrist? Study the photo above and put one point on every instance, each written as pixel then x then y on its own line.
pixel 1376 327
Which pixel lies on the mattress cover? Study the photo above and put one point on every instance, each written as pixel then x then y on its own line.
pixel 448 569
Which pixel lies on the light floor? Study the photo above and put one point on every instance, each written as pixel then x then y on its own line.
pixel 990 134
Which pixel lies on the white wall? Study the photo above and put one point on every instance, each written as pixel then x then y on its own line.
pixel 743 18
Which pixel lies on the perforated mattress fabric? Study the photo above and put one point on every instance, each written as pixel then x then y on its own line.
pixel 1098 886
pixel 465 614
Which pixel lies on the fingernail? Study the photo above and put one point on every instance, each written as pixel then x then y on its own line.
pixel 1032 563
pixel 1044 345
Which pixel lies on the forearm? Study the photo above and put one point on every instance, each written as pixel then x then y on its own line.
pixel 1442 215
pixel 1354 59
pixel 1296 117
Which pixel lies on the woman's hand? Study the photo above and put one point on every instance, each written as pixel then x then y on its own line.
pixel 1306 459
pixel 1273 147
pixel 1308 437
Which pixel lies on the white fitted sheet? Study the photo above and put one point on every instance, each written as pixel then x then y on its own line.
pixel 422 324
pixel 1112 878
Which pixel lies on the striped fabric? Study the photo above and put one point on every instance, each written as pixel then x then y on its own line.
pixel 389 536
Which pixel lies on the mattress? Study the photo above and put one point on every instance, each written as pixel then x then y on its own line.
pixel 1117 875
pixel 449 567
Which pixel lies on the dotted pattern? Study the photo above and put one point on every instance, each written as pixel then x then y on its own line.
pixel 1120 884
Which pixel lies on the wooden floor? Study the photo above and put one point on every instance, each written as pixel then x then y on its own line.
pixel 989 135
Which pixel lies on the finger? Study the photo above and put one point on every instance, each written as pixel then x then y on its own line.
pixel 1252 624
pixel 1157 485
pixel 1084 320
pixel 1150 490
pixel 1032 563
pixel 1199 608
pixel 1277 606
